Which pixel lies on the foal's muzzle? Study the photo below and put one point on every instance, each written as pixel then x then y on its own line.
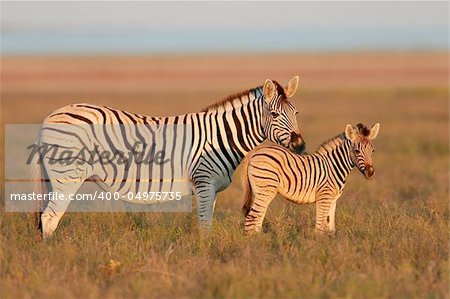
pixel 369 172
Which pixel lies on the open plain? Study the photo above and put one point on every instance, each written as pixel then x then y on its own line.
pixel 392 232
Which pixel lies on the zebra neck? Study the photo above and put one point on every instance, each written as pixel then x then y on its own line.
pixel 338 157
pixel 243 126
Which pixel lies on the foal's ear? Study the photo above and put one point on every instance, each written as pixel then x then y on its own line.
pixel 292 87
pixel 374 131
pixel 350 132
pixel 269 90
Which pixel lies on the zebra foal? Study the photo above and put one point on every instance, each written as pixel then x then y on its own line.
pixel 318 177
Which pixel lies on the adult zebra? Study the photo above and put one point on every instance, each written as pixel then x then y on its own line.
pixel 318 177
pixel 204 148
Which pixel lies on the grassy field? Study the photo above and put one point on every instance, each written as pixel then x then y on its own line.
pixel 392 232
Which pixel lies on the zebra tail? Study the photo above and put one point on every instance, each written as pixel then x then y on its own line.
pixel 248 193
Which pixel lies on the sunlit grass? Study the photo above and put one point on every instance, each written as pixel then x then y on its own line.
pixel 392 232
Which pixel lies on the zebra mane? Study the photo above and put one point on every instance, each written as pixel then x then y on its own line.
pixel 331 143
pixel 233 99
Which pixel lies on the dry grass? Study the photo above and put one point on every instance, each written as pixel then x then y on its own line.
pixel 393 233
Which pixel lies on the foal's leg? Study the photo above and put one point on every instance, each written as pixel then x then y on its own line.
pixel 325 214
pixel 323 206
pixel 263 196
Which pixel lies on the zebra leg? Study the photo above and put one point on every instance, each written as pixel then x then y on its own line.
pixel 206 200
pixel 262 198
pixel 325 211
pixel 55 208
pixel 331 214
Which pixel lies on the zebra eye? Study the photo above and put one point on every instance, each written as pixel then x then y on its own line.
pixel 274 114
pixel 357 151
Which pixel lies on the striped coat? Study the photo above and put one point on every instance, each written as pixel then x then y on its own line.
pixel 201 150
pixel 315 178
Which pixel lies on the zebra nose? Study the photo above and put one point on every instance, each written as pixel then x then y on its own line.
pixel 294 136
pixel 370 171
pixel 297 144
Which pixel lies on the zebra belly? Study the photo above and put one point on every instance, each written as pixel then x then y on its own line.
pixel 302 197
pixel 141 178
pixel 306 197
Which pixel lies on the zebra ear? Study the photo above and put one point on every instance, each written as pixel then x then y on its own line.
pixel 374 131
pixel 349 132
pixel 292 87
pixel 269 90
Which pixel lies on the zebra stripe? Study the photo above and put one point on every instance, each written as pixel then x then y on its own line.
pixel 316 178
pixel 203 149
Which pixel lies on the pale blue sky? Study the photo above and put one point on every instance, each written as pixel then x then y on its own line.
pixel 84 27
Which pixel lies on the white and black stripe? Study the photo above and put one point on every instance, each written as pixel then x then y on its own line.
pixel 316 178
pixel 202 148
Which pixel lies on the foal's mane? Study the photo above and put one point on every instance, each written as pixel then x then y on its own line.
pixel 336 141
pixel 331 143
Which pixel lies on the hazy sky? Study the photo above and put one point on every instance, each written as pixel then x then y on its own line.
pixel 222 14
pixel 411 24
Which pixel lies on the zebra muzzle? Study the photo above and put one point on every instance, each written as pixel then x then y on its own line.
pixel 369 172
pixel 297 144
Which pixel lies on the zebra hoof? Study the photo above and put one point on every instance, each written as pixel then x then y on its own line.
pixel 48 225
